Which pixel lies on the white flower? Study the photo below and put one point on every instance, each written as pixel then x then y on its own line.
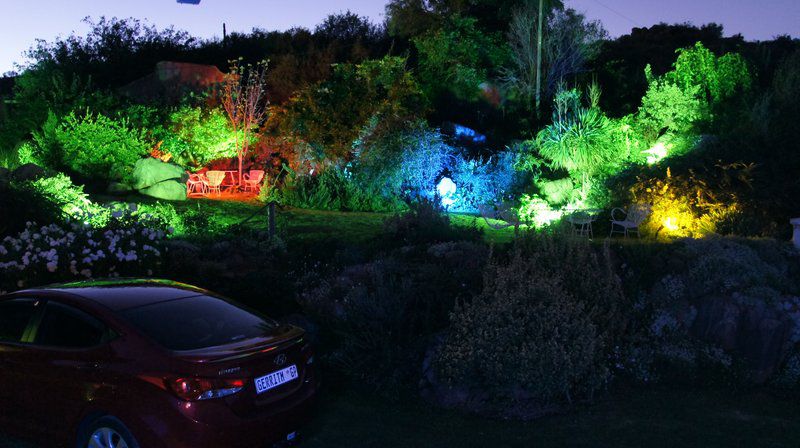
pixel 52 266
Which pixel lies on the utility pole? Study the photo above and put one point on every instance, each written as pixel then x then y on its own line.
pixel 539 60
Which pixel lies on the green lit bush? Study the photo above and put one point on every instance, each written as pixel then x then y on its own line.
pixel 99 147
pixel 73 202
pixel 195 138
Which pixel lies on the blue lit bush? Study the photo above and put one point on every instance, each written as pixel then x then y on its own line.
pixel 481 182
pixel 406 162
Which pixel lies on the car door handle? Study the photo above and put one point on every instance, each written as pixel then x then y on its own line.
pixel 78 365
pixel 89 366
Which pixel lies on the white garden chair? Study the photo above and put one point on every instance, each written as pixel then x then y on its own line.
pixel 252 180
pixel 632 219
pixel 196 186
pixel 500 217
pixel 214 181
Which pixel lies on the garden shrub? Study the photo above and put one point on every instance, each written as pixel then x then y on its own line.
pixel 711 309
pixel 195 137
pixel 541 332
pixel 74 204
pixel 332 189
pixel 383 313
pixel 407 161
pixel 46 150
pixel 20 204
pixel 426 223
pixel 482 182
pixel 98 147
pixel 524 346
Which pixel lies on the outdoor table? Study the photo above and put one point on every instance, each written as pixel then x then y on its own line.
pixel 582 220
pixel 233 174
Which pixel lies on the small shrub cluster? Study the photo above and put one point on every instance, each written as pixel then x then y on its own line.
pixel 98 147
pixel 723 309
pixel 332 189
pixel 425 223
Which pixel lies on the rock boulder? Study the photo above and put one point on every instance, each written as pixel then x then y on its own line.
pixel 28 172
pixel 170 190
pixel 150 172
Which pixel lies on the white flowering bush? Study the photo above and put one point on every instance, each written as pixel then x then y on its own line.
pixel 40 255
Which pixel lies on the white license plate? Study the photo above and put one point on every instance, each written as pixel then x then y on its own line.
pixel 275 379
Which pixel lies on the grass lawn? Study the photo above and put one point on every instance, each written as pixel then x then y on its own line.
pixel 653 418
pixel 317 225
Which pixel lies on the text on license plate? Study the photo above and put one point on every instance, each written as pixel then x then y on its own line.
pixel 275 379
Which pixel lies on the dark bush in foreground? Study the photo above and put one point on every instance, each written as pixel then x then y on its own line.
pixel 536 338
pixel 382 314
pixel 425 223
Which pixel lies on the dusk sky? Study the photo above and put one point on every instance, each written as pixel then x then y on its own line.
pixel 23 21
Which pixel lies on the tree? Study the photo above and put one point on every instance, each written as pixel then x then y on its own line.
pixel 330 115
pixel 548 44
pixel 411 18
pixel 245 102
pixel 457 58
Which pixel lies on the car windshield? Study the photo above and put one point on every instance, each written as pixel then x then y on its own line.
pixel 197 322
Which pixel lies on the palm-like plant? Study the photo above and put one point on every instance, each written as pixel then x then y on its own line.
pixel 578 140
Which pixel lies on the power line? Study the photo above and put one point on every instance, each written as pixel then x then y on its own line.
pixel 618 13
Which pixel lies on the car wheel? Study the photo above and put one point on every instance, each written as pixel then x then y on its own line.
pixel 107 432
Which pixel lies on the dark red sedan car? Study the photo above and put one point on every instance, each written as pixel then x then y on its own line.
pixel 147 364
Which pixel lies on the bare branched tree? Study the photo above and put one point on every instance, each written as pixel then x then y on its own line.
pixel 571 43
pixel 244 98
pixel 548 44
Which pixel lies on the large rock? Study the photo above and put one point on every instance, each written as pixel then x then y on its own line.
pixel 760 334
pixel 28 172
pixel 118 188
pixel 171 190
pixel 5 176
pixel 150 172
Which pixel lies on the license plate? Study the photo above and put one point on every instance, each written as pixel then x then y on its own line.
pixel 275 379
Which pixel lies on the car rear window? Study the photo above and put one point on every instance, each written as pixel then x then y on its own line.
pixel 64 326
pixel 197 322
pixel 15 315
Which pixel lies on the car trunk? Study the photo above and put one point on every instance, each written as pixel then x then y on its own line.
pixel 252 359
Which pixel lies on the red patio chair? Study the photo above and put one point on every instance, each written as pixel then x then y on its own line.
pixel 252 180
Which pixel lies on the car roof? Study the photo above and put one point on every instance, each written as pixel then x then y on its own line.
pixel 122 294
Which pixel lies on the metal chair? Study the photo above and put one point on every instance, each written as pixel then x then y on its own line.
pixel 196 186
pixel 214 181
pixel 252 180
pixel 634 217
pixel 581 221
